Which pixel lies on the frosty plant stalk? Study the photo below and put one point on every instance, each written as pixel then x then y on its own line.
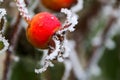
pixel 45 31
pixel 3 42
pixel 23 10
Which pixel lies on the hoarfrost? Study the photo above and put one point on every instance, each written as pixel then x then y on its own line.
pixel 2 13
pixel 5 43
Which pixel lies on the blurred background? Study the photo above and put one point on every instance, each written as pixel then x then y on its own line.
pixel 95 44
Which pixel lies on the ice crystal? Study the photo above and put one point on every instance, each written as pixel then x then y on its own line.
pixel 2 16
pixel 4 25
pixel 55 53
pixel 71 20
pixel 5 43
pixel 2 13
pixel 44 68
pixel 23 10
pixel 50 57
pixel 59 38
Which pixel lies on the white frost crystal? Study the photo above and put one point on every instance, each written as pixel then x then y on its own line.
pixel 58 51
pixel 2 16
pixel 72 19
pixel 22 8
pixel 50 57
pixel 47 64
pixel 55 52
pixel 5 43
pixel 4 25
pixel 2 39
pixel 2 13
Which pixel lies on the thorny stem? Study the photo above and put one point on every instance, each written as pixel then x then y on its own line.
pixel 62 49
pixel 10 50
pixel 63 30
pixel 55 52
pixel 52 47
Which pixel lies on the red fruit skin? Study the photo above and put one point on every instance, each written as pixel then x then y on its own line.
pixel 58 4
pixel 41 29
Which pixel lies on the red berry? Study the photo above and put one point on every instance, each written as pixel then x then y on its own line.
pixel 58 4
pixel 41 29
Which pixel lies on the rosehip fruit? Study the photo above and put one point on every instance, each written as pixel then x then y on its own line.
pixel 41 29
pixel 58 4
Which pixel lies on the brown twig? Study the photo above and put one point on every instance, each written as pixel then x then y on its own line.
pixel 13 40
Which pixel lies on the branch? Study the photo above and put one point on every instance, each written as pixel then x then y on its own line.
pixel 13 39
pixel 98 50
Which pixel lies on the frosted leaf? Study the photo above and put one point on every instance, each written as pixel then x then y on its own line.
pixel 5 43
pixel 2 13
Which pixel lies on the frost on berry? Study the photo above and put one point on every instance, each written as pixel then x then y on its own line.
pixel 59 38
